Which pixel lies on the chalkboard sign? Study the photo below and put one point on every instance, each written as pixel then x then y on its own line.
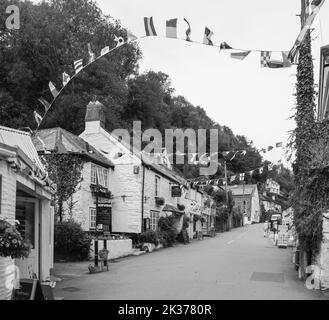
pixel 30 289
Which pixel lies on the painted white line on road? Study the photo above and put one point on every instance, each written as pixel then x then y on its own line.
pixel 230 241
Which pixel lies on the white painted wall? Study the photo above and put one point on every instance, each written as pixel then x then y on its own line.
pixel 117 248
pixel 126 211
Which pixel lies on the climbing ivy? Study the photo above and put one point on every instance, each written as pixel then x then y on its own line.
pixel 311 173
pixel 65 171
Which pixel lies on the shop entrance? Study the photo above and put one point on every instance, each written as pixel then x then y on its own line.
pixel 27 213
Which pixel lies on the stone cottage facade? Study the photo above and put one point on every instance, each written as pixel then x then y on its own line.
pixel 246 198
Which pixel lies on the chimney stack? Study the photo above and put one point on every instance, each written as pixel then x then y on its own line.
pixel 95 116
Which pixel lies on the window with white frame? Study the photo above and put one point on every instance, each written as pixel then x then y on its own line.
pixel 154 219
pixel 157 186
pixel 100 175
pixel 93 174
pixel 92 218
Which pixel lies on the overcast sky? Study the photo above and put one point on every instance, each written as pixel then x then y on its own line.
pixel 253 101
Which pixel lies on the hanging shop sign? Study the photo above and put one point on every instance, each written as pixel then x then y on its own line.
pixel 176 191
pixel 103 215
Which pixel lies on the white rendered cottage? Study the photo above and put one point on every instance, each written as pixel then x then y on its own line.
pixel 138 183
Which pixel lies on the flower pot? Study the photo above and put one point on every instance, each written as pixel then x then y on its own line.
pixel 7 275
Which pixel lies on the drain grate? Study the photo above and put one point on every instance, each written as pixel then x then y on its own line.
pixel 71 289
pixel 267 277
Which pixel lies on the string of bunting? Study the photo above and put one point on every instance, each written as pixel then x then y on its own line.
pixel 205 158
pixel 231 178
pixel 287 57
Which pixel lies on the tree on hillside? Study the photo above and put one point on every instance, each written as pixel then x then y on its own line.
pixel 53 34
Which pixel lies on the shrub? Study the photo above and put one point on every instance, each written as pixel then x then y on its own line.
pixel 186 222
pixel 183 237
pixel 71 242
pixel 149 236
pixel 181 207
pixel 168 232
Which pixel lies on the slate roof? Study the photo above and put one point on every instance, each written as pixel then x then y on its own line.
pixel 58 140
pixel 22 140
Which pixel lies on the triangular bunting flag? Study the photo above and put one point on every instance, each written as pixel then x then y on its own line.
pixel 37 118
pixel 91 54
pixel 265 57
pixel 53 90
pixel 78 65
pixel 131 36
pixel 105 50
pixel 207 37
pixel 171 28
pixel 240 55
pixel 224 46
pixel 119 40
pixel 45 103
pixel 66 79
pixel 188 31
pixel 149 27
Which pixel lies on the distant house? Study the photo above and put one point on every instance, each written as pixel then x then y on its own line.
pixel 246 199
pixel 97 169
pixel 271 202
pixel 25 195
pixel 271 186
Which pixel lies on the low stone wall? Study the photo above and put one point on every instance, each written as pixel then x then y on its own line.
pixel 117 248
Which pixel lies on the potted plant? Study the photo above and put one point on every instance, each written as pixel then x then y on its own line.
pixel 159 201
pixel 12 246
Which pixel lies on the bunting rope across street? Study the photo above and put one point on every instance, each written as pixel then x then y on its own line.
pixel 288 57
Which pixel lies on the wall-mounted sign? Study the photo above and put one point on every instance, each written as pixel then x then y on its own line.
pixel 176 191
pixel 136 169
pixel 104 215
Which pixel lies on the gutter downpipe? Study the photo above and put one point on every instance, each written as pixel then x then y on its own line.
pixel 143 188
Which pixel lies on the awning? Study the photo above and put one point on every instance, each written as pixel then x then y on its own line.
pixel 171 208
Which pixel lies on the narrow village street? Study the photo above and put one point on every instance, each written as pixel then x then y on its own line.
pixel 240 264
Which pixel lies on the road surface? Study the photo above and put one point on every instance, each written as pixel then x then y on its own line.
pixel 240 264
